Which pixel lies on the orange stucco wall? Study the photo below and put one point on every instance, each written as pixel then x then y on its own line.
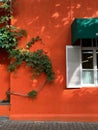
pixel 4 78
pixel 4 75
pixel 51 20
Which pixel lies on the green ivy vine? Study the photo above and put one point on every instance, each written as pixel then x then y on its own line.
pixel 9 38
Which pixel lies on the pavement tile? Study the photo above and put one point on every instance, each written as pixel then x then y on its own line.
pixel 46 125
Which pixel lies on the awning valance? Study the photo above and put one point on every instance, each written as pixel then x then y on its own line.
pixel 84 28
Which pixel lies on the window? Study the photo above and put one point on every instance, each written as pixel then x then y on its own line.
pixel 88 67
pixel 82 64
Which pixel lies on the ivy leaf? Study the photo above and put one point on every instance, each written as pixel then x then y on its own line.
pixel 32 93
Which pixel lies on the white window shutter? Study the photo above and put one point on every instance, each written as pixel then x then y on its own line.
pixel 73 60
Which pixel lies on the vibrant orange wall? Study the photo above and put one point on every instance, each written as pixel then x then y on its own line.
pixel 51 20
pixel 4 75
pixel 4 78
pixel 4 82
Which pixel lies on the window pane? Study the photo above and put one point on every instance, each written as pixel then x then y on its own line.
pixel 87 59
pixel 86 42
pixel 97 76
pixel 96 42
pixel 97 64
pixel 97 58
pixel 88 76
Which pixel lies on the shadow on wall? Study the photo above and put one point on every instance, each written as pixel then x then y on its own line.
pixel 82 9
pixel 87 93
pixel 4 57
pixel 42 17
pixel 52 14
pixel 86 100
pixel 52 21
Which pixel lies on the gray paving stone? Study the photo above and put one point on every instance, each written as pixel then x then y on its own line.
pixel 48 125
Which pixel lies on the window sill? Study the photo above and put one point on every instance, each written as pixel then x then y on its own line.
pixel 3 102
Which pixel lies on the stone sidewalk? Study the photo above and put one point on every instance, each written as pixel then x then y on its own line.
pixel 46 125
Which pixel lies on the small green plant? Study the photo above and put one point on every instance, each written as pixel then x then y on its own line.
pixel 32 94
pixel 9 38
pixel 33 41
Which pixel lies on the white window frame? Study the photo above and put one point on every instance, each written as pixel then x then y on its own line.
pixel 94 49
pixel 72 84
pixel 2 0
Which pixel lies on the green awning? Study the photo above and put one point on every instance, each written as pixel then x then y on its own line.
pixel 84 28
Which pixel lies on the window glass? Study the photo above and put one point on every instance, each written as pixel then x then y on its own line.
pixel 94 42
pixel 97 58
pixel 87 59
pixel 97 64
pixel 88 76
pixel 87 67
pixel 89 42
pixel 86 42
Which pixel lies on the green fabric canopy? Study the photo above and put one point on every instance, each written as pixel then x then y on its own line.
pixel 84 28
